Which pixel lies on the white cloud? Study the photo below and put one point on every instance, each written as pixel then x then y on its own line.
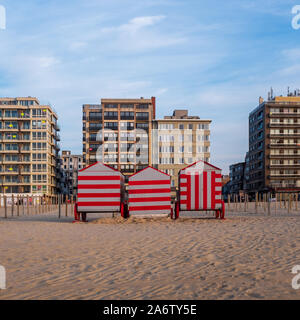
pixel 46 62
pixel 141 22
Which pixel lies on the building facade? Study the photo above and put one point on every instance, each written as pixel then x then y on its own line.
pixel 29 148
pixel 180 140
pixel 274 140
pixel 236 175
pixel 70 165
pixel 119 132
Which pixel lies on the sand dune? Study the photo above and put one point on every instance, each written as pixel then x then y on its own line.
pixel 244 257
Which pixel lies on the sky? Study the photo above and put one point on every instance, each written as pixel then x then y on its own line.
pixel 214 58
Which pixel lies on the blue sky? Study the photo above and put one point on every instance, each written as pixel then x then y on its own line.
pixel 213 57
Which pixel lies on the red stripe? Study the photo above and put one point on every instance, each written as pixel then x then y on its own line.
pixel 183 184
pixel 108 178
pixel 148 183
pixel 99 186
pixel 98 203
pixel 218 193
pixel 149 208
pixel 98 195
pixel 217 175
pixel 218 184
pixel 213 189
pixel 183 201
pixel 149 199
pixel 205 190
pixel 218 201
pixel 142 191
pixel 183 193
pixel 197 194
pixel 189 192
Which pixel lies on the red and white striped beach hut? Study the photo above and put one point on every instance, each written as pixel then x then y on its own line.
pixel 100 189
pixel 200 189
pixel 149 192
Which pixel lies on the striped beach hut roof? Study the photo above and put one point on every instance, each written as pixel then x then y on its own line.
pixel 100 167
pixel 199 165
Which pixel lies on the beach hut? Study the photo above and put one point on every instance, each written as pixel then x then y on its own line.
pixel 200 189
pixel 100 189
pixel 149 193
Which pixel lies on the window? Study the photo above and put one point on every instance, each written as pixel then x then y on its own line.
pixel 127 125
pixel 142 106
pixel 39 157
pixel 111 105
pixel 143 126
pixel 127 115
pixel 111 115
pixel 203 126
pixel 11 125
pixel 11 147
pixel 11 114
pixel 39 113
pixel 166 126
pixel 125 105
pixel 39 124
pixel 111 125
pixel 181 126
pixel 142 116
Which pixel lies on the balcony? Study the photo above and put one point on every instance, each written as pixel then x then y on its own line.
pixel 95 128
pixel 281 124
pixel 283 145
pixel 95 118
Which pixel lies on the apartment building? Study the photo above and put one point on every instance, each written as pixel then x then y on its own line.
pixel 180 140
pixel 236 175
pixel 119 132
pixel 274 140
pixel 70 165
pixel 29 148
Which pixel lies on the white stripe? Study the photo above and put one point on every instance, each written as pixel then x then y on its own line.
pixel 183 180
pixel 218 179
pixel 98 209
pixel 142 213
pixel 193 178
pixel 208 190
pixel 218 188
pixel 149 195
pixel 218 197
pixel 183 188
pixel 183 207
pixel 201 191
pixel 98 190
pixel 163 186
pixel 149 204
pixel 98 174
pixel 117 183
pixel 90 199
pixel 184 197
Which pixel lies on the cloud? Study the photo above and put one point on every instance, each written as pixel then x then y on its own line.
pixel 135 36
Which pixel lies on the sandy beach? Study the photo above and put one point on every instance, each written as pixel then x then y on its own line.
pixel 247 256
